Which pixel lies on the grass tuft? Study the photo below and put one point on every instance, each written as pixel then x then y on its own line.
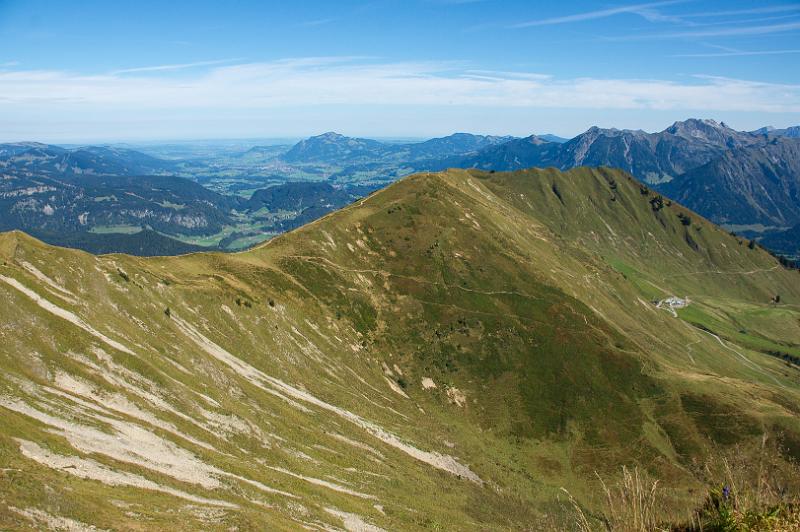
pixel 633 504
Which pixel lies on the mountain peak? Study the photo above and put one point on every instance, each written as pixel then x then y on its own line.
pixel 553 138
pixel 792 131
pixel 764 130
pixel 708 130
pixel 330 146
pixel 596 131
pixel 699 124
pixel 537 140
pixel 329 136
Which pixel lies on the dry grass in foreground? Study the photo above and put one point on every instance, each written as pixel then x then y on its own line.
pixel 748 489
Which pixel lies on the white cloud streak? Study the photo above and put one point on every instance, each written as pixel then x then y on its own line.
pixel 317 22
pixel 642 9
pixel 752 11
pixel 739 53
pixel 721 32
pixel 309 82
pixel 180 66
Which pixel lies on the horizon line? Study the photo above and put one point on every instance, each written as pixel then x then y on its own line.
pixel 86 141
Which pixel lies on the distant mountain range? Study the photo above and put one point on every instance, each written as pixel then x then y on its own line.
pixel 52 160
pixel 746 181
pixel 793 131
pixel 333 148
pixel 72 197
pixel 652 157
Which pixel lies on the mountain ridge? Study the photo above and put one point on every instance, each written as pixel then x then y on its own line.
pixel 791 131
pixel 694 161
pixel 340 149
pixel 453 324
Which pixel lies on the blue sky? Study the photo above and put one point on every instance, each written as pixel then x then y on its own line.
pixel 103 71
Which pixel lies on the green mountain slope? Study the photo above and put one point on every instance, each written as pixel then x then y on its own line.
pixel 445 354
pixel 145 243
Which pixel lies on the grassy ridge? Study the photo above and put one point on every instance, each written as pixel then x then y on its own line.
pixel 504 320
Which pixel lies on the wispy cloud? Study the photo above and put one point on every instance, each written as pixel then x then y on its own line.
pixel 332 81
pixel 693 25
pixel 505 74
pixel 740 53
pixel 751 21
pixel 9 64
pixel 318 22
pixel 753 11
pixel 640 9
pixel 720 32
pixel 179 66
pixel 720 47
pixel 651 14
